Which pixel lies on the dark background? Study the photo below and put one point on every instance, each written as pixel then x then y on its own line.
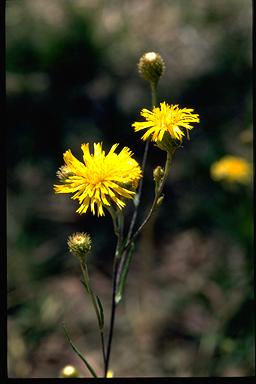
pixel 71 77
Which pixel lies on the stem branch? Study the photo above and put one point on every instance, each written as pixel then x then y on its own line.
pixel 157 195
pixel 144 160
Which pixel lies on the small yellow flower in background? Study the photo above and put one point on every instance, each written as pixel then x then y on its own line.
pixel 110 374
pixel 168 119
pixel 68 372
pixel 101 179
pixel 231 169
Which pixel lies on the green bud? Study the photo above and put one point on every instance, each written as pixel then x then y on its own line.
pixel 158 174
pixel 79 244
pixel 64 172
pixel 151 67
pixel 159 201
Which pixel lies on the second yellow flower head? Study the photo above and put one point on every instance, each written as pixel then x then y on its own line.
pixel 168 119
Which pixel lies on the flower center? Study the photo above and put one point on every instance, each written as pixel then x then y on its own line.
pixel 150 56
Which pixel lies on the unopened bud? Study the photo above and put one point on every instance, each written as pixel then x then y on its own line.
pixel 69 371
pixel 159 201
pixel 151 66
pixel 158 174
pixel 64 172
pixel 79 244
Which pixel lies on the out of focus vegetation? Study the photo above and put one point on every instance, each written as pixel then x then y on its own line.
pixel 71 78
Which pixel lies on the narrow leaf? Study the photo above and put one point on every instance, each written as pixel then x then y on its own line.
pixel 85 286
pixel 136 200
pixel 101 311
pixel 79 353
pixel 123 275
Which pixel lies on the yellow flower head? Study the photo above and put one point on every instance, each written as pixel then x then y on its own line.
pixel 110 374
pixel 101 179
pixel 168 119
pixel 68 372
pixel 231 169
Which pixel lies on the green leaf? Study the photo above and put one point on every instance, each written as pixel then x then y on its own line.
pixel 123 276
pixel 101 312
pixel 79 353
pixel 85 286
pixel 136 200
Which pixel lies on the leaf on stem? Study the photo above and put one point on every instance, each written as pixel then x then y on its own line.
pixel 79 353
pixel 136 200
pixel 85 286
pixel 101 312
pixel 123 276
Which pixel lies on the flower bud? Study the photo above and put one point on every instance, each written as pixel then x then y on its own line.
pixel 63 173
pixel 79 244
pixel 159 201
pixel 151 66
pixel 69 371
pixel 158 174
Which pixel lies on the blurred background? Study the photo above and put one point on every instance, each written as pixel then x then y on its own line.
pixel 71 77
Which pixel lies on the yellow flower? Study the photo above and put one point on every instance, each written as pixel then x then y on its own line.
pixel 102 179
pixel 168 119
pixel 68 372
pixel 231 169
pixel 110 374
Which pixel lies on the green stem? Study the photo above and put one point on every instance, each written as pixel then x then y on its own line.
pixel 125 255
pixel 122 254
pixel 153 94
pixel 96 308
pixel 119 234
pixel 153 86
pixel 157 195
pixel 112 318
